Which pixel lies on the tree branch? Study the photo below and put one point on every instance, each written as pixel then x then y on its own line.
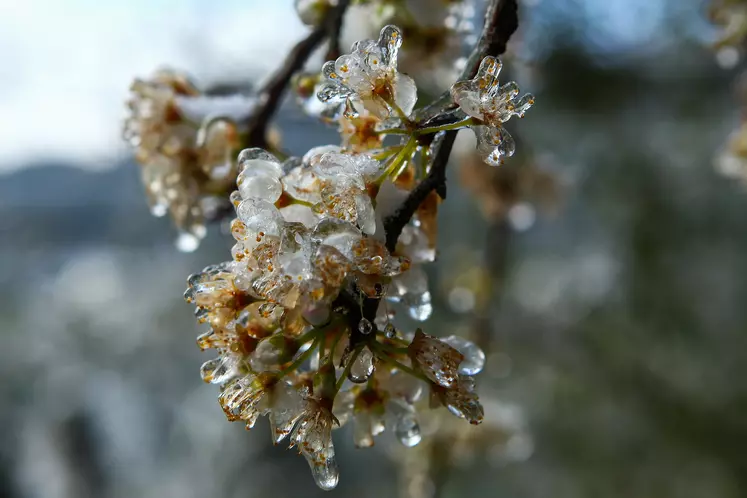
pixel 334 31
pixel 272 92
pixel 501 21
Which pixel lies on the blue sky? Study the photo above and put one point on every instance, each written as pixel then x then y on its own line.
pixel 65 65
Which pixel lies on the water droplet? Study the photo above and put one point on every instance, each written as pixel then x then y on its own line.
pixel 218 370
pixel 365 327
pixel 405 421
pixel 408 431
pixel 390 331
pixel 326 474
pixel 362 367
pixel 244 318
pixel 189 295
pixel 474 358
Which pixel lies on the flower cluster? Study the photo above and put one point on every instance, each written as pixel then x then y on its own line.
pixel 186 143
pixel 491 104
pixel 288 348
pixel 300 316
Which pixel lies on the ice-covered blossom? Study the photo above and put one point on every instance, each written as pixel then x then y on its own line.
pixel 302 315
pixel 491 104
pixel 369 75
pixel 307 234
pixel 186 143
pixel 436 359
pixel 437 33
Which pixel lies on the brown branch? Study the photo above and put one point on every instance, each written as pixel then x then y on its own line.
pixel 501 21
pixel 334 31
pixel 272 92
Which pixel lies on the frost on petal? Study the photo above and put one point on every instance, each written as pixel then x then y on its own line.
pixel 436 359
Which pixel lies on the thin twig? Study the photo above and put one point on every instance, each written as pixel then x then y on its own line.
pixel 272 92
pixel 334 30
pixel 501 21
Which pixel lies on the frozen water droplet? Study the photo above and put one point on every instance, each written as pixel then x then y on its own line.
pixel 244 318
pixel 474 358
pixel 218 370
pixel 407 430
pixel 259 186
pixel 390 331
pixel 326 474
pixel 404 419
pixel 365 327
pixel 362 367
pixel 189 295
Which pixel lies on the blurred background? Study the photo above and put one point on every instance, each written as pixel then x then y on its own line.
pixel 602 269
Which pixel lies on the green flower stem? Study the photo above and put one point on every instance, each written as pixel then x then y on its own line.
pixel 453 126
pixel 310 335
pixel 405 119
pixel 305 356
pixel 394 131
pixel 300 202
pixel 393 339
pixel 396 162
pixel 404 156
pixel 382 355
pixel 290 200
pixel 392 349
pixel 389 152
